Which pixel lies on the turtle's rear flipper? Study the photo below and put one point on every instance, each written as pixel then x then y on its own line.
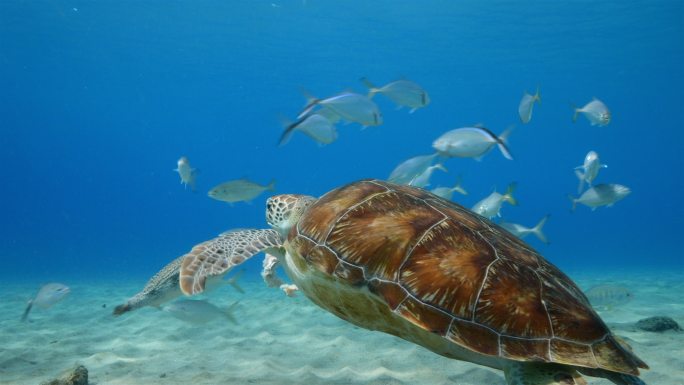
pixel 539 373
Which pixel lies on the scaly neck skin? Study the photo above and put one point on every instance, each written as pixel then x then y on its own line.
pixel 284 211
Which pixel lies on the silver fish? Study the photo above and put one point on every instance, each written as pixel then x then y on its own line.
pixel 239 190
pixel 199 311
pixel 47 296
pixel 409 169
pixel 315 126
pixel 404 93
pixel 471 142
pixel 423 180
pixel 490 206
pixel 448 192
pixel 601 195
pixel 608 296
pixel 186 172
pixel 521 231
pixel 595 111
pixel 590 170
pixel 349 106
pixel 526 105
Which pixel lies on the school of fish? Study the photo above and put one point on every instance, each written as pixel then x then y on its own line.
pixel 317 121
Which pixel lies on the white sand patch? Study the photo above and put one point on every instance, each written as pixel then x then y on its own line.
pixel 279 340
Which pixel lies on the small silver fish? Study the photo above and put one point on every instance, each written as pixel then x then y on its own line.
pixel 521 231
pixel 409 169
pixel 448 192
pixel 526 105
pixel 601 195
pixel 47 296
pixel 471 142
pixel 595 111
pixel 199 311
pixel 590 170
pixel 186 172
pixel 423 180
pixel 349 106
pixel 315 126
pixel 608 296
pixel 490 206
pixel 239 190
pixel 404 93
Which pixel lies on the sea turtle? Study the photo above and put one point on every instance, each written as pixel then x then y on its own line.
pixel 403 261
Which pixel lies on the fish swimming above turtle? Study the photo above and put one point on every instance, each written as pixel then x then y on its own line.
pixel 472 142
pixel 403 261
pixel 404 93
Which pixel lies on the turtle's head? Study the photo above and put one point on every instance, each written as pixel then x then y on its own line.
pixel 283 211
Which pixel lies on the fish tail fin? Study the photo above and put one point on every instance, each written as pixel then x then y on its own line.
pixel 537 95
pixel 580 176
pixel 502 142
pixel 440 166
pixel 508 196
pixel 537 230
pixel 271 186
pixel 289 126
pixel 372 89
pixel 121 309
pixel 574 202
pixel 233 281
pixel 24 316
pixel 576 110
pixel 310 98
pixel 458 188
pixel 311 102
pixel 229 312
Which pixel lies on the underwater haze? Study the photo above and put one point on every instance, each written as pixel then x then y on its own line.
pixel 99 100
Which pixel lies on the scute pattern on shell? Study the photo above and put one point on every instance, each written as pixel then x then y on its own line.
pixel 456 274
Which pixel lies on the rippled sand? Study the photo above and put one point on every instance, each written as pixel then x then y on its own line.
pixel 279 340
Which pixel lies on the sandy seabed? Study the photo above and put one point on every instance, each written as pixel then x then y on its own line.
pixel 278 340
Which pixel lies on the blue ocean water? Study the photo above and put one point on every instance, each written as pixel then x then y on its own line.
pixel 98 100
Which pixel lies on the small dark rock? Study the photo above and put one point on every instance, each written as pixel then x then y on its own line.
pixel 76 376
pixel 657 324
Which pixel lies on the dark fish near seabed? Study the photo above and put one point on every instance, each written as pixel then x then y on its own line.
pixel 47 296
pixel 608 296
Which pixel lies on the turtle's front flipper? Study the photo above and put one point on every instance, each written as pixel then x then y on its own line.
pixel 539 373
pixel 219 255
